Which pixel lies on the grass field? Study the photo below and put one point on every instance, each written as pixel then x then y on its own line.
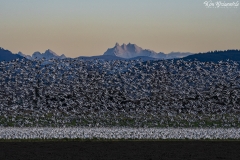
pixel 127 120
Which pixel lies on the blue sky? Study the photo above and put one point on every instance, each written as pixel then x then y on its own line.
pixel 87 27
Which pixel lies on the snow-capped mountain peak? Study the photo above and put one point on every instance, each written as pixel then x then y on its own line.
pixel 24 55
pixel 130 51
pixel 48 54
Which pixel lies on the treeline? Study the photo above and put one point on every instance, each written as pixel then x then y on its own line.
pixel 215 56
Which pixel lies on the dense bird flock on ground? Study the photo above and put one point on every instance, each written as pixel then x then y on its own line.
pixel 118 133
pixel 74 92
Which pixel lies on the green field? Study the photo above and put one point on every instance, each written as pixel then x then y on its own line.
pixel 124 120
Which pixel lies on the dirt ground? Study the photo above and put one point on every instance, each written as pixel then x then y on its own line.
pixel 149 150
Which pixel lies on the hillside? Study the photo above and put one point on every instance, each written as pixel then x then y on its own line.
pixel 216 56
pixel 6 55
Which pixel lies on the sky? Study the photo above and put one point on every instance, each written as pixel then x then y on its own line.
pixel 89 27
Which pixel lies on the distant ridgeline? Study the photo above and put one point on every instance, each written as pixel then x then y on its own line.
pixel 6 55
pixel 215 56
pixel 211 56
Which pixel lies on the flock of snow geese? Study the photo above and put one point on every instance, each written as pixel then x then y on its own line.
pixel 119 133
pixel 119 93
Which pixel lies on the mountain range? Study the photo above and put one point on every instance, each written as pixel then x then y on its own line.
pixel 129 52
pixel 132 50
pixel 123 52
pixel 48 54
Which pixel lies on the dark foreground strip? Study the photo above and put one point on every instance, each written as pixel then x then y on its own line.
pixel 121 150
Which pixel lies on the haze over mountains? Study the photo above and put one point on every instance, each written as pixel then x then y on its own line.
pixel 132 50
pixel 48 54
pixel 129 52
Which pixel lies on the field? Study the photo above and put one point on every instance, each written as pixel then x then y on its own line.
pixel 77 99
pixel 118 133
